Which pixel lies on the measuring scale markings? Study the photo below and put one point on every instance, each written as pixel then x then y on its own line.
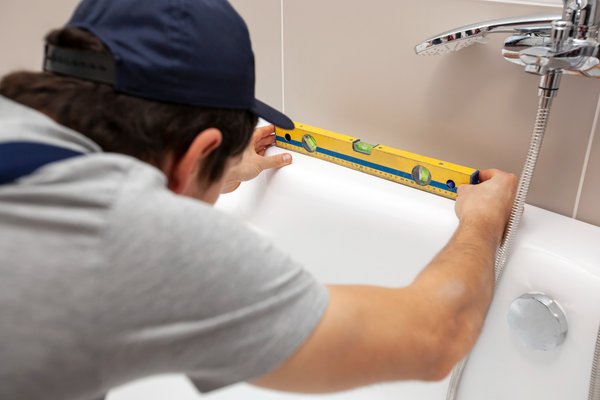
pixel 365 166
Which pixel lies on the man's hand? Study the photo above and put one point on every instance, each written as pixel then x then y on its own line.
pixel 488 203
pixel 253 160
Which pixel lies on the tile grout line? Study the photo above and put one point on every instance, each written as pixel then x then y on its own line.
pixel 586 160
pixel 282 63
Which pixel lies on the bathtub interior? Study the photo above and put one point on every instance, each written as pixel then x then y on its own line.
pixel 351 228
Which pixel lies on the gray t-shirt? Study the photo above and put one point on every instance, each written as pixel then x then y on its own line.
pixel 106 277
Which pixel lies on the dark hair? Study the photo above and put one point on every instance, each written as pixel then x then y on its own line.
pixel 145 129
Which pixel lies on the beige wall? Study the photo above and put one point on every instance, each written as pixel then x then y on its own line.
pixel 349 66
pixel 23 25
pixel 262 17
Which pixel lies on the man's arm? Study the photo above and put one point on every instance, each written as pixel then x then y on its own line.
pixel 371 334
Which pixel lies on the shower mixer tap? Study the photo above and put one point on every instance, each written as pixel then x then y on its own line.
pixel 546 45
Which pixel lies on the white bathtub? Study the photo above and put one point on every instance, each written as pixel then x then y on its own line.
pixel 348 227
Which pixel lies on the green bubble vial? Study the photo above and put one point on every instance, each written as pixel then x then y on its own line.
pixel 309 143
pixel 364 148
pixel 421 175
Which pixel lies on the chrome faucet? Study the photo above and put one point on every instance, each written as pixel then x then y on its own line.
pixel 567 43
pixel 546 45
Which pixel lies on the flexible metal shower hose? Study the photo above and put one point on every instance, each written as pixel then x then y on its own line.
pixel 539 130
pixel 535 146
pixel 595 380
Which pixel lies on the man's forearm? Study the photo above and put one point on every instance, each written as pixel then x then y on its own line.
pixel 459 282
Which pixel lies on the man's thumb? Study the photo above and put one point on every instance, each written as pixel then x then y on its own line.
pixel 277 161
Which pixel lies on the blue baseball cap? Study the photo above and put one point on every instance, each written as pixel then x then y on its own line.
pixel 191 52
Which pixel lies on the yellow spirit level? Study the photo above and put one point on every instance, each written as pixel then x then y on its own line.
pixel 434 176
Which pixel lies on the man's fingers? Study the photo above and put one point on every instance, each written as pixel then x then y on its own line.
pixel 504 177
pixel 264 142
pixel 264 131
pixel 487 174
pixel 278 161
pixel 263 137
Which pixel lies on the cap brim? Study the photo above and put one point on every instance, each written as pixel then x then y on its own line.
pixel 271 115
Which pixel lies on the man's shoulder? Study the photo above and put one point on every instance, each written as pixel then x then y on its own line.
pixel 146 208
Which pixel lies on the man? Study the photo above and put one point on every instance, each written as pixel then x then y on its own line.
pixel 112 269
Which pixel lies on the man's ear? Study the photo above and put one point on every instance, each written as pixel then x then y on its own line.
pixel 185 170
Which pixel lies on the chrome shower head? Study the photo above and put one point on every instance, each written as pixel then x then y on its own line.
pixel 458 39
pixel 446 44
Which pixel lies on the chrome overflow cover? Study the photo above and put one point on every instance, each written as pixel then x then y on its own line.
pixel 538 321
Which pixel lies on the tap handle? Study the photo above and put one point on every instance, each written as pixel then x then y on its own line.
pixel 459 38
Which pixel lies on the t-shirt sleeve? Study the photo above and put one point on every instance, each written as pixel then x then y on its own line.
pixel 191 290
